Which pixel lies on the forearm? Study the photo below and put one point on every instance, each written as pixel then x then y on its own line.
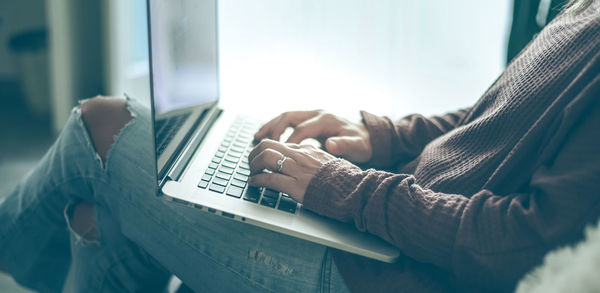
pixel 404 139
pixel 486 239
pixel 421 223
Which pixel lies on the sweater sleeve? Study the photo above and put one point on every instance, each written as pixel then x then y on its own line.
pixel 485 239
pixel 404 139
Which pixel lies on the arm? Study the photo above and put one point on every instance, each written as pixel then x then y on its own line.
pixel 487 239
pixel 394 142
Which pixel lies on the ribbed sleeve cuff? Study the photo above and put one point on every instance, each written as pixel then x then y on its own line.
pixel 327 193
pixel 380 131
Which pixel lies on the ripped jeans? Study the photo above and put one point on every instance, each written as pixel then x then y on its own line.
pixel 143 239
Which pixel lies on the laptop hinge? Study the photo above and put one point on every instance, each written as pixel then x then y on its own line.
pixel 186 154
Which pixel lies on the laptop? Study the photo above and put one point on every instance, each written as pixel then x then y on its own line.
pixel 201 149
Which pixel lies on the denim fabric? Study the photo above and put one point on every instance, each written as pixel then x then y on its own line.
pixel 142 238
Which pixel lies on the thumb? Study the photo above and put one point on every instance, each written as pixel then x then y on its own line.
pixel 350 147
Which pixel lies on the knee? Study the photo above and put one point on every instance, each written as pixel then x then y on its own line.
pixel 104 117
pixel 83 223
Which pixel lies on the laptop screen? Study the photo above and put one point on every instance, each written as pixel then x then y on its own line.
pixel 184 53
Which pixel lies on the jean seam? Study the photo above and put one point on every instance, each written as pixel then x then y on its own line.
pixel 325 285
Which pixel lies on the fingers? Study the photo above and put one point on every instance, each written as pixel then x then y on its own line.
pixel 274 128
pixel 308 129
pixel 270 159
pixel 352 148
pixel 320 126
pixel 269 144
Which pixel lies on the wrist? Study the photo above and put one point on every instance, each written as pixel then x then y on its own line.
pixel 327 193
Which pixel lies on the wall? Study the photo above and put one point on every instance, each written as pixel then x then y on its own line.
pixel 16 17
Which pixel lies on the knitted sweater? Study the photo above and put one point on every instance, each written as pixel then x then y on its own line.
pixel 474 199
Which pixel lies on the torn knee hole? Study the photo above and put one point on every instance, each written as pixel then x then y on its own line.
pixel 82 222
pixel 104 117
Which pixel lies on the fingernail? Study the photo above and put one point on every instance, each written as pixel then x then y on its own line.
pixel 332 145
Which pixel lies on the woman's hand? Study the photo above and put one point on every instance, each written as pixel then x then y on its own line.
pixel 341 137
pixel 292 166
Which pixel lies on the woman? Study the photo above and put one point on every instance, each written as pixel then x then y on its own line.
pixel 473 199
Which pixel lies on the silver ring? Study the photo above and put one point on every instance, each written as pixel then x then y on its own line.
pixel 280 163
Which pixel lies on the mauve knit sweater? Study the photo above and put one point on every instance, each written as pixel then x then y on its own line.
pixel 475 199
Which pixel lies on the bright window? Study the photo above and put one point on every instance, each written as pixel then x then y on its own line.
pixel 390 57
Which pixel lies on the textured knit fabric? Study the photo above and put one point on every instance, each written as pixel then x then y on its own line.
pixel 475 199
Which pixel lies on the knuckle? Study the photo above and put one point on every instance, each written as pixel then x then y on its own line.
pixel 300 129
pixel 269 153
pixel 327 116
pixel 263 144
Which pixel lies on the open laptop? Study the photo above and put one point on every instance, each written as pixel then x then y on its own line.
pixel 201 150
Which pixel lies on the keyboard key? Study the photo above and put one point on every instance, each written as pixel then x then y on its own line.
pixel 240 177
pixel 268 202
pixel 203 184
pixel 244 172
pixel 244 165
pixel 206 177
pixel 219 154
pixel 252 194
pixel 213 166
pixel 223 176
pixel 226 170
pixel 229 165
pixel 210 171
pixel 217 188
pixel 244 136
pixel 238 183
pixel 216 159
pixel 223 149
pixel 236 149
pixel 271 193
pixel 287 204
pixel 235 191
pixel 231 159
pixel 234 154
pixel 220 181
pixel 239 145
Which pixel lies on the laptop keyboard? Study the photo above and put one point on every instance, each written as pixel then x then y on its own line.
pixel 166 129
pixel 228 171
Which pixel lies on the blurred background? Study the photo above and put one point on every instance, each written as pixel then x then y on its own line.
pixel 390 57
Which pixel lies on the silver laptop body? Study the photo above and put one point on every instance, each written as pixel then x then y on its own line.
pixel 191 132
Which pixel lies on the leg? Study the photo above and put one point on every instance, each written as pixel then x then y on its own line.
pixel 34 239
pixel 114 263
pixel 206 251
pixel 104 118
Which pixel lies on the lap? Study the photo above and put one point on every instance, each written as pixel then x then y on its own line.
pixel 206 251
